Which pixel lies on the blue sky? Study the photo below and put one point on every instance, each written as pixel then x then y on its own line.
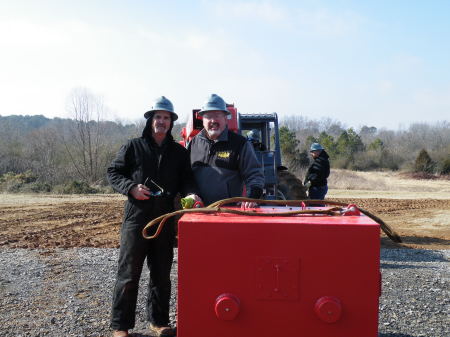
pixel 377 63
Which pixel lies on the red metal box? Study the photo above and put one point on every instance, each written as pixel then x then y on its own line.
pixel 261 276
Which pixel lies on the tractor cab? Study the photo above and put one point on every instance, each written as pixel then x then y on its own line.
pixel 262 131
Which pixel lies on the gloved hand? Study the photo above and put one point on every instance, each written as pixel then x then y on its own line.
pixel 187 203
pixel 191 201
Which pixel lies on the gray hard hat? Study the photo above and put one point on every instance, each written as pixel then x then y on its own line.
pixel 161 104
pixel 214 103
pixel 315 147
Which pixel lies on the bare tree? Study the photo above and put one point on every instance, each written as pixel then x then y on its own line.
pixel 45 155
pixel 86 142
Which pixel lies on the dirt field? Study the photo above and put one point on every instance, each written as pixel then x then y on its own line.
pixel 47 221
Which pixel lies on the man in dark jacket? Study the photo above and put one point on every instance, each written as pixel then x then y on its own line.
pixel 150 170
pixel 318 172
pixel 223 161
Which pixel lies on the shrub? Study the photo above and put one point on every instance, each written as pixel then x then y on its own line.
pixel 105 189
pixel 39 187
pixel 365 161
pixel 444 166
pixel 15 182
pixel 423 162
pixel 376 145
pixel 390 161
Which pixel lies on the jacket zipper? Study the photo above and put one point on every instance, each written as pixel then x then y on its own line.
pixel 210 151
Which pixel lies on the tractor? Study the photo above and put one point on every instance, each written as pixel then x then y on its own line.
pixel 280 184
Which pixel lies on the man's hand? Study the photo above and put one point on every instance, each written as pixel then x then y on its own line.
pixel 140 192
pixel 308 185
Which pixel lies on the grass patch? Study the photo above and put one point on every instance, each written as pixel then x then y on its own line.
pixel 349 180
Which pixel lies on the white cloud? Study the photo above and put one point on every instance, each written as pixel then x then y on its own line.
pixel 197 41
pixel 127 67
pixel 41 61
pixel 385 86
pixel 323 22
pixel 320 22
pixel 16 33
pixel 260 10
pixel 169 42
pixel 151 36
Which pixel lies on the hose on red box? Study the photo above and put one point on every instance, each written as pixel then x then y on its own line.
pixel 215 208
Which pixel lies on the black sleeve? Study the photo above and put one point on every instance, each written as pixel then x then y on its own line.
pixel 119 171
pixel 188 184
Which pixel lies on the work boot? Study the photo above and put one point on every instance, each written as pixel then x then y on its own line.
pixel 120 333
pixel 163 331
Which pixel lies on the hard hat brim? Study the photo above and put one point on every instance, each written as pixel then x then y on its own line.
pixel 203 111
pixel 150 113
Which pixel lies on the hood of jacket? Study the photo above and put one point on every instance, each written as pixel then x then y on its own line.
pixel 147 132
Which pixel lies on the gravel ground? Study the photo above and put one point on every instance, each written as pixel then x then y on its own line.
pixel 67 292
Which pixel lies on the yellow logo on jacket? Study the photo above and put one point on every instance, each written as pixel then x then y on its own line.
pixel 223 154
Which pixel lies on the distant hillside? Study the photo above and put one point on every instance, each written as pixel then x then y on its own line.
pixel 24 123
pixel 42 153
pixel 28 123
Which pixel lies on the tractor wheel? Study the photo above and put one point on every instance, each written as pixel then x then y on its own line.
pixel 290 187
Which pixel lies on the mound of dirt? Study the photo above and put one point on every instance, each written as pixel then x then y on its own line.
pixel 421 223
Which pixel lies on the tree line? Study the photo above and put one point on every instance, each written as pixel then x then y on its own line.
pixel 38 154
pixel 421 147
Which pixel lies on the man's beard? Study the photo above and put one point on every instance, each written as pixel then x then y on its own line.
pixel 160 129
pixel 214 133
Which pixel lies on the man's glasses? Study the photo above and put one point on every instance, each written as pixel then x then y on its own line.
pixel 214 115
pixel 157 193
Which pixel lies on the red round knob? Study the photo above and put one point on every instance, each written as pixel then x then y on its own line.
pixel 227 307
pixel 329 309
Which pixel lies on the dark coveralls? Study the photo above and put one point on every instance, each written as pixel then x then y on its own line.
pixel 169 167
pixel 317 174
